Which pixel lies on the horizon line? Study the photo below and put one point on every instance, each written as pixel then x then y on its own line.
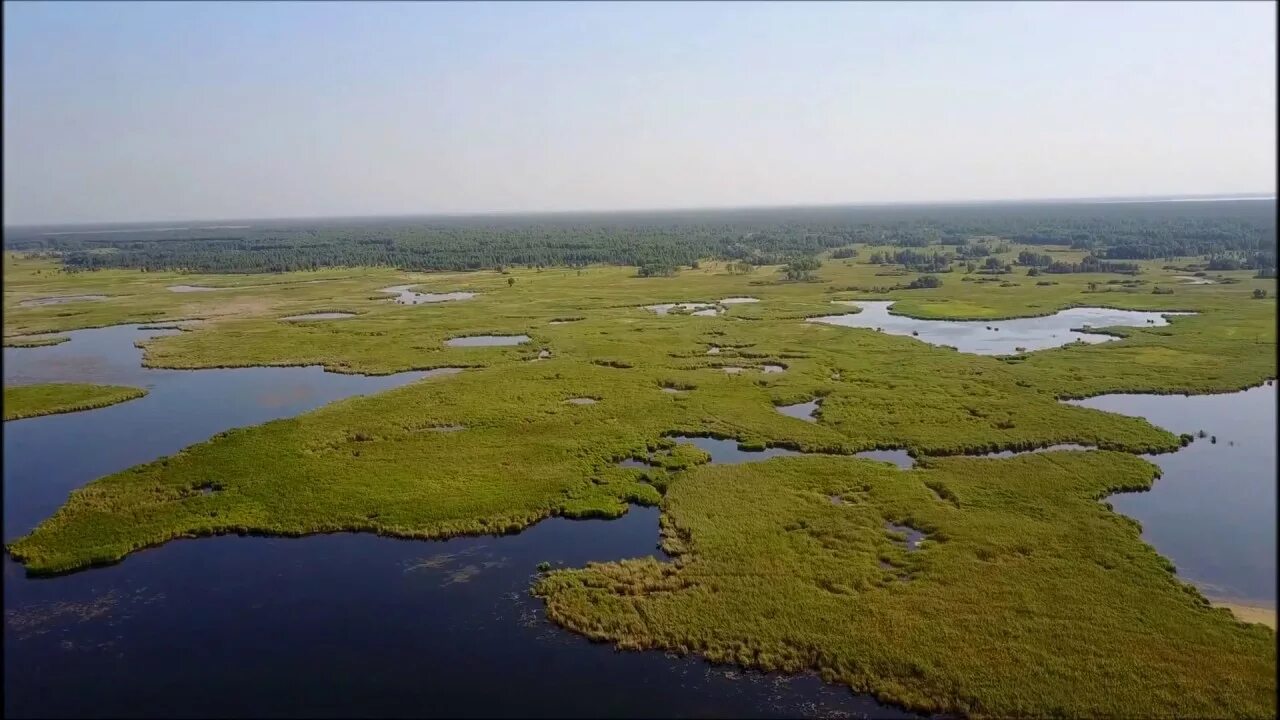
pixel 1104 199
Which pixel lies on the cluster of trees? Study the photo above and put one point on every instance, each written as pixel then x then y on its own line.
pixel 802 268
pixel 1244 232
pixel 925 281
pixel 916 260
pixel 1034 259
pixel 1260 261
pixel 1091 264
pixel 658 270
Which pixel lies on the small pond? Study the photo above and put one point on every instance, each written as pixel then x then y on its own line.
pixel 700 309
pixel 486 340
pixel 807 411
pixel 193 288
pixel 998 337
pixel 1193 280
pixel 912 535
pixel 60 300
pixel 405 296
pixel 728 452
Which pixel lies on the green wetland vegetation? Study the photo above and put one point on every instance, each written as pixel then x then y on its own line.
pixel 26 401
pixel 1026 596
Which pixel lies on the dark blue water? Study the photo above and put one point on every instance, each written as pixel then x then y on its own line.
pixel 1213 510
pixel 330 625
pixel 47 457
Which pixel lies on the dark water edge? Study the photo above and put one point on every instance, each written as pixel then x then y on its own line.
pixel 45 458
pixel 998 337
pixel 360 625
pixel 1213 510
pixel 351 624
pixel 326 625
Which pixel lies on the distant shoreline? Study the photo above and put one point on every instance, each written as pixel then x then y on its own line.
pixel 82 228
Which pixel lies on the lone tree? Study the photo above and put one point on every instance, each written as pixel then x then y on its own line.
pixel 1259 294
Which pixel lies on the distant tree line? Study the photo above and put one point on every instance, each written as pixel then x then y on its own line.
pixel 1229 234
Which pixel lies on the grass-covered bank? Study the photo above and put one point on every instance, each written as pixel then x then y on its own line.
pixel 1023 570
pixel 1027 597
pixel 25 401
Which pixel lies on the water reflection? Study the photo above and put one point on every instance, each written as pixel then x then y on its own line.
pixel 1213 510
pixel 182 407
pixel 998 337
pixel 405 296
pixel 328 625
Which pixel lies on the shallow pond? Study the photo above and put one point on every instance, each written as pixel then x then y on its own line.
pixel 192 288
pixel 486 340
pixel 1213 510
pixel 807 411
pixel 327 625
pixel 320 316
pixel 405 296
pixel 728 452
pixel 1193 280
pixel 60 300
pixel 998 337
pixel 700 309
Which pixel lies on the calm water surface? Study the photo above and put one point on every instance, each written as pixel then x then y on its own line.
pixel 997 337
pixel 329 625
pixel 405 296
pixel 1213 510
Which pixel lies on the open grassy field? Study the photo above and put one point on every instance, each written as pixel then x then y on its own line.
pixel 1028 597
pixel 27 401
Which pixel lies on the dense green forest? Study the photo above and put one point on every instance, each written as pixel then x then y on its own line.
pixel 1230 234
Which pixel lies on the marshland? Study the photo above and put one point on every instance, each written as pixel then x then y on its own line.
pixel 853 516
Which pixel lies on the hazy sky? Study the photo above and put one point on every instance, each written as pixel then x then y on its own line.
pixel 120 112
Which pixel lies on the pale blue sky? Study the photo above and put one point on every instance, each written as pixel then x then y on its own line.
pixel 149 111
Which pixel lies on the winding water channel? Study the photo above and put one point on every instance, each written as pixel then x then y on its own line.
pixel 349 624
pixel 327 625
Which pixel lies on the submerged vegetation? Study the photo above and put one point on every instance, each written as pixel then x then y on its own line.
pixel 24 401
pixel 1026 595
